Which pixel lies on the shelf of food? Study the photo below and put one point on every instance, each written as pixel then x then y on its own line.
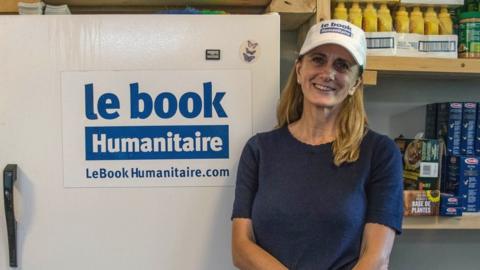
pixel 379 65
pixel 293 13
pixel 152 6
pixel 469 221
pixel 395 64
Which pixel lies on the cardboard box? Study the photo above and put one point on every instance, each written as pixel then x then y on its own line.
pixel 463 181
pixel 381 43
pixel 451 211
pixel 477 133
pixel 450 200
pixel 431 121
pixel 433 2
pixel 467 140
pixel 449 125
pixel 421 163
pixel 421 202
pixel 434 46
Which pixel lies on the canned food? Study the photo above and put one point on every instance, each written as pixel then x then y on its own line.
pixel 469 35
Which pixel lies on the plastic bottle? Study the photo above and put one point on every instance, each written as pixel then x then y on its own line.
pixel 355 14
pixel 370 18
pixel 402 23
pixel 416 21
pixel 446 25
pixel 340 12
pixel 384 19
pixel 431 22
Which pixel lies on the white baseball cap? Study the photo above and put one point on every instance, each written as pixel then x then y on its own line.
pixel 338 32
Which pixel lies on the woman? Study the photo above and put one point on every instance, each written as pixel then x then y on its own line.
pixel 321 191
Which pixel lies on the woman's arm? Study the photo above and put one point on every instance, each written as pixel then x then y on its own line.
pixel 247 255
pixel 377 244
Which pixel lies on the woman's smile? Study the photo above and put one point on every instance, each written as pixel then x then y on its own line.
pixel 323 88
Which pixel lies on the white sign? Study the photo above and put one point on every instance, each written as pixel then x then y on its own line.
pixel 154 128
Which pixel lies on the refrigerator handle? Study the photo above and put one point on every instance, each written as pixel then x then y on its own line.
pixel 9 177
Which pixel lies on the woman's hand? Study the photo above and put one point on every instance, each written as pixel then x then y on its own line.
pixel 246 254
pixel 377 244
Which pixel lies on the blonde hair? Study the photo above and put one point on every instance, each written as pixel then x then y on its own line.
pixel 351 124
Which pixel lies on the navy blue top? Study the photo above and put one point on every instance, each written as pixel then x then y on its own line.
pixel 309 213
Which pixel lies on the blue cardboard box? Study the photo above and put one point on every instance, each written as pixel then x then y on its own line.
pixel 451 211
pixel 463 181
pixel 467 141
pixel 449 125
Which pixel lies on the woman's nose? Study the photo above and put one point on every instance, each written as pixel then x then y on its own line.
pixel 328 73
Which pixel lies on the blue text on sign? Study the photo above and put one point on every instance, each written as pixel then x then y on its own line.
pixel 166 104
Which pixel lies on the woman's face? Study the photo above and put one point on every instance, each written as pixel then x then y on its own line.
pixel 327 75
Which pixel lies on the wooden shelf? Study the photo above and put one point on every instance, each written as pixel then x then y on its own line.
pixel 469 221
pixel 423 65
pixel 412 66
pixel 293 13
pixel 159 2
pixel 152 6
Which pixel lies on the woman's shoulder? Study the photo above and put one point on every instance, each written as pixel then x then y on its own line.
pixel 375 140
pixel 268 138
pixel 271 135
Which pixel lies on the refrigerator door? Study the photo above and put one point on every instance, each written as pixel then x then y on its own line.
pixel 66 81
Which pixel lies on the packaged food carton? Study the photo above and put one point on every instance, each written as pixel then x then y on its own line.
pixel 421 202
pixel 421 163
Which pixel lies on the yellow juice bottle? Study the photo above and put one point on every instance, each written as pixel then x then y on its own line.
pixel 416 21
pixel 370 18
pixel 402 23
pixel 355 15
pixel 384 19
pixel 431 22
pixel 445 25
pixel 340 12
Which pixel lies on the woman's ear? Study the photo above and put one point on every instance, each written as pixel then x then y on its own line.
pixel 298 65
pixel 355 86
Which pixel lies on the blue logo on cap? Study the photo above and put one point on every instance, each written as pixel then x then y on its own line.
pixel 338 28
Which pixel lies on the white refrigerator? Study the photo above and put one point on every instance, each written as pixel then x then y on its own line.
pixel 120 136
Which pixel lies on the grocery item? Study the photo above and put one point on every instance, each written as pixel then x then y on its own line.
pixel 416 21
pixel 384 19
pixel 355 14
pixel 402 23
pixel 463 180
pixel 370 18
pixel 445 25
pixel 340 12
pixel 449 125
pixel 421 163
pixel 467 140
pixel 469 35
pixel 421 202
pixel 471 5
pixel 431 22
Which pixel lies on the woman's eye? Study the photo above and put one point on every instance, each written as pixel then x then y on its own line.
pixel 318 60
pixel 341 66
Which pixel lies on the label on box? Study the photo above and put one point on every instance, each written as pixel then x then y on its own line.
pixel 416 45
pixel 428 169
pixel 421 160
pixel 451 211
pixel 421 202
pixel 448 200
pixel 381 43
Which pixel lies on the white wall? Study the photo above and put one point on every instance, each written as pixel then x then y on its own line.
pixel 396 106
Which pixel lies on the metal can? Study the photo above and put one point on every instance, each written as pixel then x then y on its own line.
pixel 469 35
